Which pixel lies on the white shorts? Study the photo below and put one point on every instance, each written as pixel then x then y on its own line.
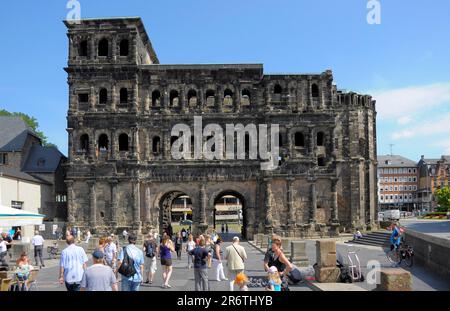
pixel 150 264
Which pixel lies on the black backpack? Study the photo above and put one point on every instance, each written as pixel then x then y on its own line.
pixel 149 250
pixel 127 268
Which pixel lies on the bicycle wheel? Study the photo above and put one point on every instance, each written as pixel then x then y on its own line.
pixel 393 256
pixel 408 260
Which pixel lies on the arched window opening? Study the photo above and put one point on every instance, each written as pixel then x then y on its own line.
pixel 315 90
pixel 299 139
pixel 83 48
pixel 103 47
pixel 123 96
pixel 320 139
pixel 228 93
pixel 103 96
pixel 156 145
pixel 84 143
pixel 123 142
pixel 192 98
pixel 321 161
pixel 210 97
pixel 246 94
pixel 156 98
pixel 277 89
pixel 124 47
pixel 174 99
pixel 103 143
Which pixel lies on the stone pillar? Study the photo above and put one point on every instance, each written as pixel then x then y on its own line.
pixel 114 48
pixel 136 205
pixel 334 221
pixel 92 203
pixel 135 107
pixel 148 204
pixel 237 99
pixel 183 101
pixel 326 270
pixel 70 203
pixel 71 147
pixel 268 207
pixel 92 99
pixel 113 98
pixel 290 205
pixel 147 101
pixel 298 254
pixel 313 199
pixel 396 279
pixel 135 134
pixel 166 101
pixel 113 184
pixel 114 151
pixel 73 98
pixel 312 141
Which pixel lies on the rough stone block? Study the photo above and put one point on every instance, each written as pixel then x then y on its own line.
pixel 264 241
pixel 327 274
pixel 395 280
pixel 286 245
pixel 326 253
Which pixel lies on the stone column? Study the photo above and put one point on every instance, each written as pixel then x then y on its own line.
pixel 237 99
pixel 312 141
pixel 136 205
pixel 135 107
pixel 135 132
pixel 268 206
pixel 113 147
pixel 92 147
pixel 114 221
pixel 70 203
pixel 148 204
pixel 114 48
pixel 166 101
pixel 166 145
pixel 147 102
pixel 313 199
pixel 92 99
pixel 182 102
pixel 92 203
pixel 334 201
pixel 290 205
pixel 326 270
pixel 113 98
pixel 71 151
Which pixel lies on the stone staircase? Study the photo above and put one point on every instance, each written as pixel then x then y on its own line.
pixel 375 238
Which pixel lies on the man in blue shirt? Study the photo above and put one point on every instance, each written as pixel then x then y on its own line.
pixel 395 239
pixel 72 265
pixel 132 283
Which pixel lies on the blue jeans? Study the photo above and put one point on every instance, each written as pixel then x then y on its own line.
pixel 129 286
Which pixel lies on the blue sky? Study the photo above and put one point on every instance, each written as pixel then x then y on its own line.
pixel 404 62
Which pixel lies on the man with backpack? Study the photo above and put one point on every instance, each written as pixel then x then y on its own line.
pixel 131 265
pixel 151 252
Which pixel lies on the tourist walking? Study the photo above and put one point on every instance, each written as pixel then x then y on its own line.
pixel 151 252
pixel 124 234
pixel 88 236
pixel 217 261
pixel 38 242
pixel 201 255
pixel 209 246
pixel 236 256
pixel 165 250
pixel 179 245
pixel 72 265
pixel 110 253
pixel 131 283
pixel 190 245
pixel 226 227
pixel 184 235
pixel 3 252
pixel 99 277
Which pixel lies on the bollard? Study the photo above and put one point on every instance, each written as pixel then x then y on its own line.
pixel 286 245
pixel 326 270
pixel 298 254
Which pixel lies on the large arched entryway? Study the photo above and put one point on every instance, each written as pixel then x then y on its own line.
pixel 175 212
pixel 229 209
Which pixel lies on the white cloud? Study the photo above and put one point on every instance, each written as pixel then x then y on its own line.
pixel 404 120
pixel 402 103
pixel 444 144
pixel 439 125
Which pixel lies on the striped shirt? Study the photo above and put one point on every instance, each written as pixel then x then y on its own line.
pixel 72 259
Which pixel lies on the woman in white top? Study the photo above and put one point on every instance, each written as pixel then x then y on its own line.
pixel 190 245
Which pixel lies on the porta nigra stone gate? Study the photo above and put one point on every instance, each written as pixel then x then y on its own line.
pixel 123 105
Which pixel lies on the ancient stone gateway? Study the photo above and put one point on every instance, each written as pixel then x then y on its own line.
pixel 123 106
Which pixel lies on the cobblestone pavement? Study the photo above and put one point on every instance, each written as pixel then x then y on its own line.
pixel 182 279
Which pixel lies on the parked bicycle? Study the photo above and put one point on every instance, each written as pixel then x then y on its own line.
pixel 404 253
pixel 53 250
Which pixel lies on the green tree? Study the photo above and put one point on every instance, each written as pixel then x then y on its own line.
pixel 31 122
pixel 443 199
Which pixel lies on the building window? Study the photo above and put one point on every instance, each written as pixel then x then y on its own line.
pixel 83 98
pixel 124 47
pixel 320 139
pixel 315 90
pixel 414 179
pixel 192 97
pixel 409 171
pixel 246 94
pixel 395 188
pixel 390 188
pixel 17 204
pixel 156 145
pixel 156 98
pixel 414 170
pixel 277 89
pixel 321 161
pixel 61 198
pixel 84 143
pixel 123 142
pixel 103 143
pixel 299 139
pixel 123 96
pixel 103 96
pixel 3 158
pixel 103 47
pixel 382 198
pixel 174 98
pixel 83 48
pixel 400 188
